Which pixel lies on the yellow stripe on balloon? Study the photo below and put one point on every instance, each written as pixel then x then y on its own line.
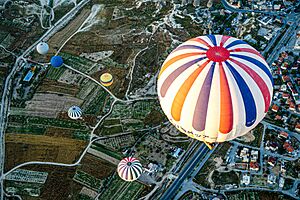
pixel 183 91
pixel 175 59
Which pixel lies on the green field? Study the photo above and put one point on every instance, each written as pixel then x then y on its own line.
pixel 24 120
pixel 137 110
pixel 83 197
pixel 109 122
pixel 81 135
pixel 225 178
pixel 79 63
pixel 87 180
pixel 95 107
pixel 121 190
pixel 24 188
pixel 111 130
pixel 27 129
pixel 251 195
pixel 19 124
pixel 55 73
pixel 84 87
pixel 107 151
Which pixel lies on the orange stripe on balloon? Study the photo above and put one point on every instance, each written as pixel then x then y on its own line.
pixel 176 58
pixel 183 91
pixel 226 113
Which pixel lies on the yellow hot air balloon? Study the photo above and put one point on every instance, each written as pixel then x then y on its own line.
pixel 106 79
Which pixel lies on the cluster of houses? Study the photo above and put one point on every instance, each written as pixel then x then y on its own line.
pixel 282 141
pixel 247 159
pixel 263 5
pixel 286 98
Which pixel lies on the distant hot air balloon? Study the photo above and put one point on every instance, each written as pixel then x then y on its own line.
pixel 42 48
pixel 215 88
pixel 74 112
pixel 106 79
pixel 56 61
pixel 130 169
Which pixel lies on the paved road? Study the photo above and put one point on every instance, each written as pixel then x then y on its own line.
pixel 283 40
pixel 198 155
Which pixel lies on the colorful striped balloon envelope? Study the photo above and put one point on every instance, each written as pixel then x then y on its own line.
pixel 215 88
pixel 130 169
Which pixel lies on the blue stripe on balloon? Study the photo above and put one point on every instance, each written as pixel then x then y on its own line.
pixel 249 102
pixel 190 47
pixel 212 39
pixel 236 42
pixel 199 118
pixel 257 63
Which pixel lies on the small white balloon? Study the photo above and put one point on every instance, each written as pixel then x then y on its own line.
pixel 74 112
pixel 42 48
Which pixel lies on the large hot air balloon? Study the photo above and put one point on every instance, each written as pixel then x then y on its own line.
pixel 42 48
pixel 56 61
pixel 74 112
pixel 215 88
pixel 130 169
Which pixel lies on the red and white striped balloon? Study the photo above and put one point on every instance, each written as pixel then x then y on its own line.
pixel 130 169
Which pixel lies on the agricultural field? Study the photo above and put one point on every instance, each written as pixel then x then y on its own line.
pixel 96 167
pixel 47 105
pixel 23 188
pixel 20 124
pixel 59 184
pixel 95 102
pixel 130 117
pixel 136 110
pixel 60 37
pixel 121 190
pixel 133 117
pixel 256 196
pixel 119 142
pixel 55 73
pixel 22 148
pixel 87 180
pixel 3 71
pixel 79 63
pixel 106 150
pixel 86 87
pixel 50 86
pixel 120 81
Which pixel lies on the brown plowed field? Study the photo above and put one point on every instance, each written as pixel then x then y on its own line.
pixel 97 167
pixel 23 148
pixel 58 87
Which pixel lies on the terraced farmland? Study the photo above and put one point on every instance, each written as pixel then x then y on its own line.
pixel 121 190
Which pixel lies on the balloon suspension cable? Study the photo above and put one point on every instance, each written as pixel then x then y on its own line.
pixel 209 145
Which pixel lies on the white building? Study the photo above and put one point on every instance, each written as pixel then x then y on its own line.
pixel 245 179
pixel 271 178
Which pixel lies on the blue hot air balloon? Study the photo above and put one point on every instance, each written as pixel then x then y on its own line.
pixel 56 61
